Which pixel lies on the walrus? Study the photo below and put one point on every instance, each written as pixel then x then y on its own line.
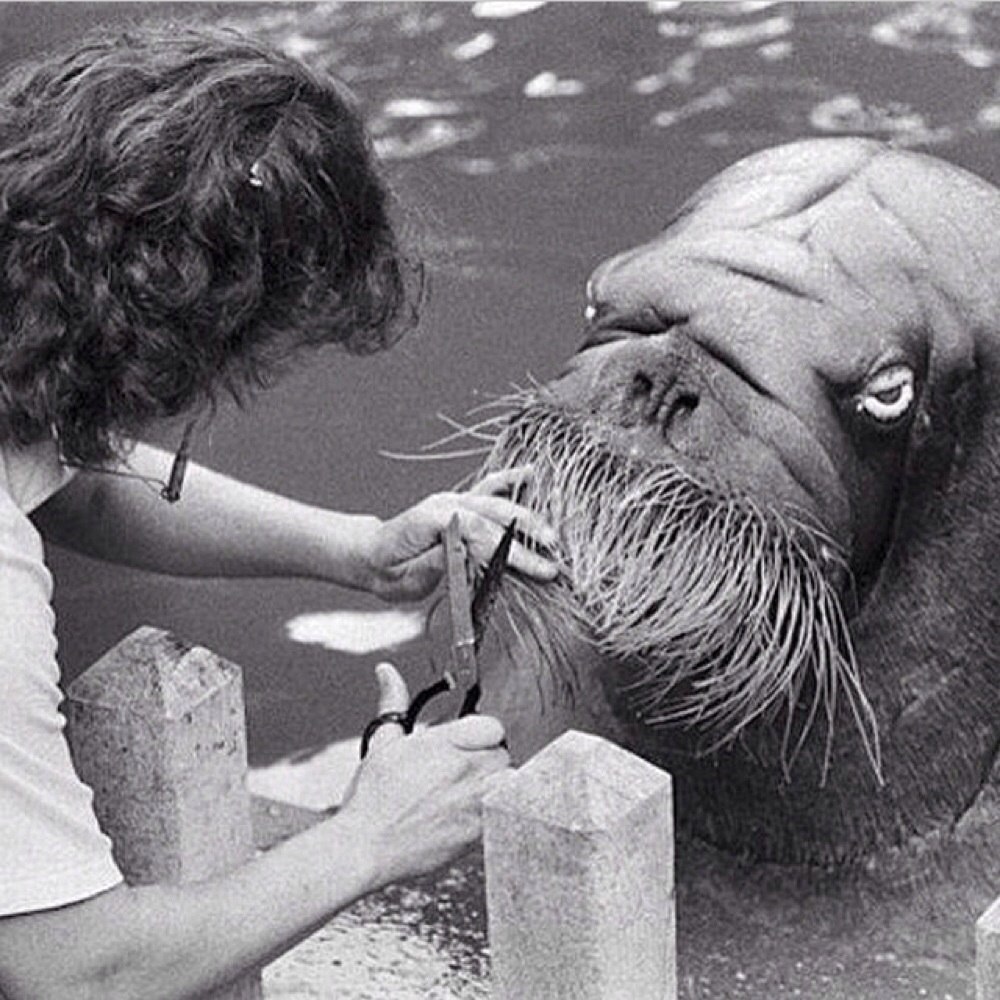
pixel 773 467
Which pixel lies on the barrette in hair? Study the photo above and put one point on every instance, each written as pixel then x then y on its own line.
pixel 255 179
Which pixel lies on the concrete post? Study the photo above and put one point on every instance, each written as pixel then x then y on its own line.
pixel 157 729
pixel 580 876
pixel 988 953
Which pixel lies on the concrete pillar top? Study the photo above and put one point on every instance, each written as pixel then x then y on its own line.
pixel 579 782
pixel 153 674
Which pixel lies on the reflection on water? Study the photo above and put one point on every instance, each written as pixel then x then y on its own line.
pixel 533 140
pixel 357 631
pixel 482 88
pixel 535 110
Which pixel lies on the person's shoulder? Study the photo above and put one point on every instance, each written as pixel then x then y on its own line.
pixel 29 475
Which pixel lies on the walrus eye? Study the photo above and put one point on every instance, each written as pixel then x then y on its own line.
pixel 888 395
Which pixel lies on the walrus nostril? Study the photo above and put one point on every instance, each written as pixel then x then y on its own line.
pixel 675 414
pixel 636 400
pixel 642 386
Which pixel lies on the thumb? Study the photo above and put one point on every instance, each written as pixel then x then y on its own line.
pixel 393 696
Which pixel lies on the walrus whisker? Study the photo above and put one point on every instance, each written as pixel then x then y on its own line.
pixel 461 430
pixel 743 620
pixel 476 431
pixel 443 456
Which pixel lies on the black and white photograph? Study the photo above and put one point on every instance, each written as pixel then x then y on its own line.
pixel 500 500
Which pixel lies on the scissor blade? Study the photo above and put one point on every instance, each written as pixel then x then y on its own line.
pixel 489 587
pixel 463 636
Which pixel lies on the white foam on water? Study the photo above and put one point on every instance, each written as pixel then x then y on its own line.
pixel 419 107
pixel 547 84
pixel 848 113
pixel 502 9
pixel 773 51
pixel 680 72
pixel 357 632
pixel 297 45
pixel 475 47
pixel 368 954
pixel 675 29
pixel 989 116
pixel 475 166
pixel 746 34
pixel 649 84
pixel 432 135
pixel 717 97
pixel 978 58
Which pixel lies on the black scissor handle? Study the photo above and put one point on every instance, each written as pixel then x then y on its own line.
pixel 421 698
pixel 384 719
pixel 470 701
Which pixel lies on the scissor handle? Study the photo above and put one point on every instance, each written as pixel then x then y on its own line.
pixel 470 701
pixel 440 686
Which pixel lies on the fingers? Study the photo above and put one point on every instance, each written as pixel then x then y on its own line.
pixel 503 511
pixel 507 481
pixel 483 519
pixel 474 732
pixel 393 697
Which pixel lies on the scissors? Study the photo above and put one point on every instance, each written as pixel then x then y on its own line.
pixel 469 611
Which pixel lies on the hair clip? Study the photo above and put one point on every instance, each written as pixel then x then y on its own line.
pixel 255 179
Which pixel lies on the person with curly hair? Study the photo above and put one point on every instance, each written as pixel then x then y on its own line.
pixel 182 213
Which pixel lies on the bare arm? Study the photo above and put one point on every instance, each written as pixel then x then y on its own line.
pixel 219 527
pixel 415 804
pixel 171 942
pixel 222 527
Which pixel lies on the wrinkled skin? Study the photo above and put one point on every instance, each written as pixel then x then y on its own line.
pixel 749 343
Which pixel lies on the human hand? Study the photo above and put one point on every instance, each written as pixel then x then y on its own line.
pixel 418 798
pixel 403 558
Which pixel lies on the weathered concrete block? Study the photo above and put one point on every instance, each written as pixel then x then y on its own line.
pixel 580 876
pixel 157 729
pixel 988 953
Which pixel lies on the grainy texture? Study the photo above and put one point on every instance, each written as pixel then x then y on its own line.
pixel 157 730
pixel 579 876
pixel 988 954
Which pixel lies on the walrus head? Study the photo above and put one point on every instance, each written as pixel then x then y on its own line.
pixel 772 465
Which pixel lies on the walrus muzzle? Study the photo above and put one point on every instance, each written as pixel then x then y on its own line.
pixel 727 612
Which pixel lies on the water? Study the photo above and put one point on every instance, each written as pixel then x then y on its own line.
pixel 528 142
pixel 527 147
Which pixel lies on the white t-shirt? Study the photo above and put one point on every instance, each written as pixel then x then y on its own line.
pixel 52 851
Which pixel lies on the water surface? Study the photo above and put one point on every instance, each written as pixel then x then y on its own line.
pixel 527 142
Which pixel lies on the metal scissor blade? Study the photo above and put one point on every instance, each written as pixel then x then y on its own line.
pixel 482 606
pixel 489 587
pixel 463 636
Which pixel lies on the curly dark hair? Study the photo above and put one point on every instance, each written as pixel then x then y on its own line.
pixel 181 210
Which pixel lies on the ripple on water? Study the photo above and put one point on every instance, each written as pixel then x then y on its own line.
pixel 502 9
pixel 429 137
pixel 847 113
pixel 423 940
pixel 440 76
pixel 548 84
pixel 475 47
pixel 745 34
pixel 420 107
